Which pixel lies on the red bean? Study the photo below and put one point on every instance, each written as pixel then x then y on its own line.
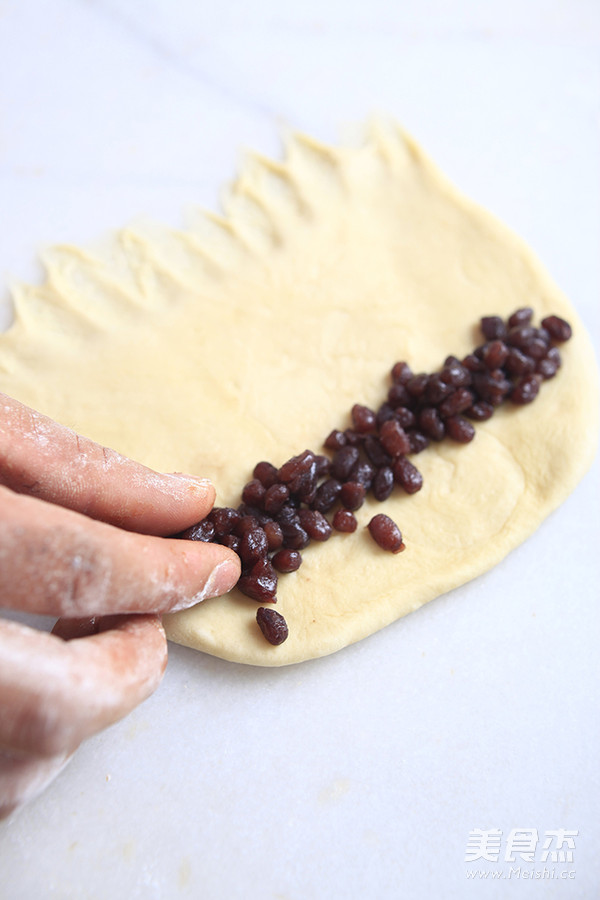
pixel 323 464
pixel 436 390
pixel 473 364
pixel 547 368
pixel 494 354
pixel 521 336
pixel 521 316
pixel 492 390
pixel 398 395
pixel 296 466
pixel 401 373
pixel 294 536
pixel 231 541
pixel 253 493
pixel 416 387
pixel 275 497
pixel 383 483
pixel 363 418
pixel 353 495
pixel 225 519
pixel 459 429
pixel 394 438
pixel 245 524
pixel 336 440
pixel 274 534
pixel 272 624
pixel 353 438
pixel 407 475
pixel 526 390
pixel 557 328
pixel 345 521
pixel 537 349
pixel 457 402
pixel 384 414
pixel 343 462
pixel 202 531
pixel 418 441
pixel 518 363
pixel 260 583
pixel 493 328
pixel 376 452
pixel 386 533
pixel 315 524
pixel 406 417
pixel 456 375
pixel 480 411
pixel 363 473
pixel 253 546
pixel 266 473
pixel 431 423
pixel 286 561
pixel 327 494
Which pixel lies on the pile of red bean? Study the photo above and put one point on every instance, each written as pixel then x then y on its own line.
pixel 284 509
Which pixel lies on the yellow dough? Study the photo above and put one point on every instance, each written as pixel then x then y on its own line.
pixel 249 337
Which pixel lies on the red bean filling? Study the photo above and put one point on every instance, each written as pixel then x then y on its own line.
pixel 284 509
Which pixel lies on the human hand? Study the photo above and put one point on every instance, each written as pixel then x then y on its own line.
pixel 81 537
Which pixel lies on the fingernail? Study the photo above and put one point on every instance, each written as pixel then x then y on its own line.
pixel 196 480
pixel 223 577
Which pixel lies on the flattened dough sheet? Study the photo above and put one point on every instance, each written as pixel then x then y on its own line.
pixel 249 336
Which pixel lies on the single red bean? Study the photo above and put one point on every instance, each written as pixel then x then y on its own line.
pixel 401 373
pixel 315 524
pixel 521 316
pixel 345 521
pixel 253 493
pixel 274 534
pixel 336 440
pixel 460 429
pixel 253 546
pixel 286 561
pixel 557 328
pixel 275 497
pixel 363 418
pixel 201 531
pixel 353 495
pixel 386 533
pixel 493 328
pixel 260 583
pixel 494 354
pixel 383 483
pixel 526 390
pixel 394 438
pixel 343 462
pixel 266 473
pixel 272 624
pixel 407 475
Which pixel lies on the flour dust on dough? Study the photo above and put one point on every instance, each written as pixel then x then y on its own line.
pixel 250 336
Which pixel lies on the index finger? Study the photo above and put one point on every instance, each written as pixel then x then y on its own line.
pixel 43 459
pixel 57 562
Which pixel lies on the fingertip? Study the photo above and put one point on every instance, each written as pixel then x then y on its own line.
pixel 221 578
pixel 196 485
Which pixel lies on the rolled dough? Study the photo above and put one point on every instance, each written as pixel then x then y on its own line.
pixel 249 337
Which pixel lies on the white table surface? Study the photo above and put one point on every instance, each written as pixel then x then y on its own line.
pixel 359 775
